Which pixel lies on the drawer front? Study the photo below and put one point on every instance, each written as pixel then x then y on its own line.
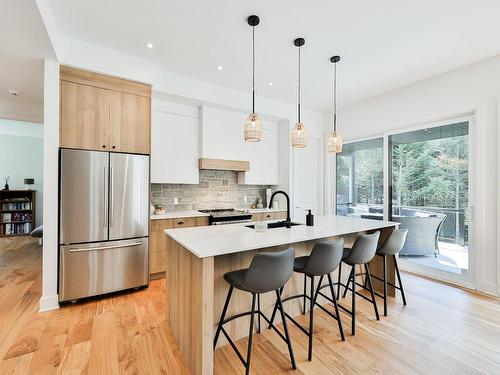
pixel 281 215
pixel 263 216
pixel 185 222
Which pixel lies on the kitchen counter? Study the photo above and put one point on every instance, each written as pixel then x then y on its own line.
pixel 227 239
pixel 178 215
pixel 198 258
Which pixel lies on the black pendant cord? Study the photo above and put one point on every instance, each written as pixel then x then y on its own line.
pixel 298 106
pixel 253 69
pixel 335 97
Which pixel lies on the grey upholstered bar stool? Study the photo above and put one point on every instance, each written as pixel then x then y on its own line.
pixel 392 247
pixel 325 257
pixel 362 253
pixel 267 272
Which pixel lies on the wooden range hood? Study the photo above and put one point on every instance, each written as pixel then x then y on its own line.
pixel 224 165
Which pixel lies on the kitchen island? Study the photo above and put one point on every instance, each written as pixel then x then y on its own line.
pixel 199 257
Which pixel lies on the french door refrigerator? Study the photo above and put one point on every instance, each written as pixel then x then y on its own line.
pixel 103 223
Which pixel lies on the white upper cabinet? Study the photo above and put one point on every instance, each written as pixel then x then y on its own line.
pixel 174 148
pixel 222 138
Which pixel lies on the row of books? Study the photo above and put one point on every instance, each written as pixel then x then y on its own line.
pixel 16 206
pixel 15 216
pixel 6 229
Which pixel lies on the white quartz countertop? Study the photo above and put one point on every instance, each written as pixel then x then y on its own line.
pixel 233 238
pixel 178 214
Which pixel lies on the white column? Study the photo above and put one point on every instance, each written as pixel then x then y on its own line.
pixel 49 298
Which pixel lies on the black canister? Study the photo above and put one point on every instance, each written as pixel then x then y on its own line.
pixel 309 219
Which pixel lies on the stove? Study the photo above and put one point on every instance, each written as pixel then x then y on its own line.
pixel 227 216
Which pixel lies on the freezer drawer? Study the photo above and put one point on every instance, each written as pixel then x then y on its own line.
pixel 98 268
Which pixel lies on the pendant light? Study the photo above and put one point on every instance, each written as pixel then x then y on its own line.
pixel 299 133
pixel 253 126
pixel 335 140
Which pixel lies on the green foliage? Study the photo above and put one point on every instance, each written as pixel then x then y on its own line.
pixel 432 173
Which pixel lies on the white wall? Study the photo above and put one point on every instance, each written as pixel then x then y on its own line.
pixel 473 89
pixel 21 156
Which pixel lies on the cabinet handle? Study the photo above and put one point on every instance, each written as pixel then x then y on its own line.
pixel 103 146
pixel 268 215
pixel 114 146
pixel 180 222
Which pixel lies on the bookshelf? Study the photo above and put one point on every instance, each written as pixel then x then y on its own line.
pixel 17 212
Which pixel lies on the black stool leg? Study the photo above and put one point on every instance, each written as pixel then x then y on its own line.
pixel 367 269
pixel 311 319
pixel 223 315
pixel 385 285
pixel 399 280
pixel 273 315
pixel 285 328
pixel 334 298
pixel 349 281
pixel 258 309
pixel 250 334
pixel 339 279
pixel 304 299
pixel 353 306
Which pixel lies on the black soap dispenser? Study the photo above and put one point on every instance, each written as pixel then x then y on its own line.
pixel 309 219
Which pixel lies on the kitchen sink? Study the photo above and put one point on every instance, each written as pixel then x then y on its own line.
pixel 278 224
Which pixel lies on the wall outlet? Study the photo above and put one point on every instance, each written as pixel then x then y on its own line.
pixel 245 199
pixel 176 200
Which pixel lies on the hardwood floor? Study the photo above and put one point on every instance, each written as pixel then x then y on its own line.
pixel 443 330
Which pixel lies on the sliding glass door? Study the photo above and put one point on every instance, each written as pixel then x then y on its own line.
pixel 360 179
pixel 429 195
pixel 428 191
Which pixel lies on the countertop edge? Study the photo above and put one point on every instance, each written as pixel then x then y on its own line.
pixel 171 233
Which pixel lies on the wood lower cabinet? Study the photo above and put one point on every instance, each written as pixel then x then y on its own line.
pixel 103 113
pixel 158 242
pixel 263 216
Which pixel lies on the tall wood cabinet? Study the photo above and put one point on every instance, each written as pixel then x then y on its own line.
pixel 99 112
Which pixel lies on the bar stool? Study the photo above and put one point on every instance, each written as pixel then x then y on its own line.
pixel 362 253
pixel 325 257
pixel 267 272
pixel 392 247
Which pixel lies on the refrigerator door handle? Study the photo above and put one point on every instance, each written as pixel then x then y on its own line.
pixel 105 199
pixel 79 250
pixel 111 197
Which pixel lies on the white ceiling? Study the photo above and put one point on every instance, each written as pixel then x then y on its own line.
pixel 384 44
pixel 23 74
pixel 24 44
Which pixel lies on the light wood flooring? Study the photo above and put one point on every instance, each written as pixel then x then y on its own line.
pixel 443 330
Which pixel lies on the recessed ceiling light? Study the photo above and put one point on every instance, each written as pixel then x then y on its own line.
pixel 149 45
pixel 219 67
pixel 14 92
pixel 269 83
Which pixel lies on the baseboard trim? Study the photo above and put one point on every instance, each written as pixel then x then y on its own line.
pixel 48 303
pixel 490 288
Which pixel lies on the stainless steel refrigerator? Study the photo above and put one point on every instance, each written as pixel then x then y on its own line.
pixel 103 222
